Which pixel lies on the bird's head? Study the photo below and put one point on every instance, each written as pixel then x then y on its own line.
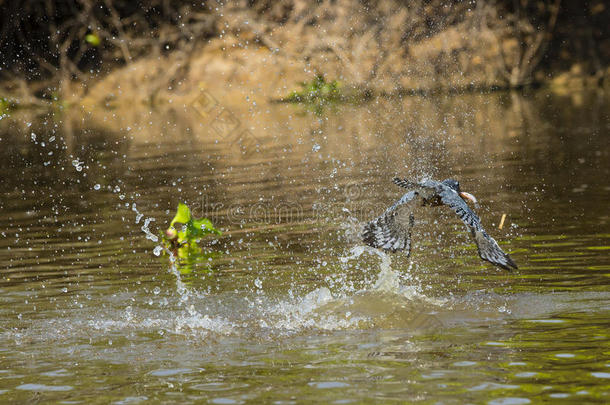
pixel 455 185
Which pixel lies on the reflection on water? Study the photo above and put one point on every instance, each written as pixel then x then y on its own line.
pixel 296 308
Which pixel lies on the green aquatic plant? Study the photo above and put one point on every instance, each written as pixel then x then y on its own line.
pixel 318 95
pixel 315 91
pixel 183 241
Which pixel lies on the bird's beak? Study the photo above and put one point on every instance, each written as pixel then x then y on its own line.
pixel 468 196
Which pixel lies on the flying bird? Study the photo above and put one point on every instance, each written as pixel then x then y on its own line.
pixel 392 232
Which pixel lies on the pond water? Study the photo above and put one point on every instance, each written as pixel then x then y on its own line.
pixel 291 307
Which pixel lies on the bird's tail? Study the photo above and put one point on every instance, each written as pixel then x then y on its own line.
pixel 490 250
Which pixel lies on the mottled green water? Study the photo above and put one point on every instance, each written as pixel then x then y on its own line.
pixel 295 309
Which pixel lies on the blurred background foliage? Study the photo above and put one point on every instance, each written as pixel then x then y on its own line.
pixel 385 45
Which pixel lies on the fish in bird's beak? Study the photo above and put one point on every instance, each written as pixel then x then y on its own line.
pixel 467 196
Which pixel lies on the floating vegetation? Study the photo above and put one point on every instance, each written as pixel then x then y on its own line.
pixel 184 243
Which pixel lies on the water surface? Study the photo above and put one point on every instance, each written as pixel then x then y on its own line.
pixel 292 308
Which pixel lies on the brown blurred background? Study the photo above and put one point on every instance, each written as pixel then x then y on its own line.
pixel 103 52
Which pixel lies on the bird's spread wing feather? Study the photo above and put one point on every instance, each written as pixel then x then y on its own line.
pixel 487 246
pixel 389 231
pixel 452 199
pixel 404 183
pixel 426 189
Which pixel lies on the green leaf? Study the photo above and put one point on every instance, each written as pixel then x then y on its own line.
pixel 183 240
pixel 204 226
pixel 183 236
pixel 183 215
pixel 93 39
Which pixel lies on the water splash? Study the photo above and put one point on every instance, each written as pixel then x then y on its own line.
pixel 139 215
pixel 315 310
pixel 78 165
pixel 158 250
pixel 390 281
pixel 149 234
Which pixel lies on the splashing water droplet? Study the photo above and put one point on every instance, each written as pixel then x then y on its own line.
pixel 157 250
pixel 139 215
pixel 316 147
pixel 149 234
pixel 78 165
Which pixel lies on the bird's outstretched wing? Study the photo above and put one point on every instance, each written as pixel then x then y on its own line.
pixel 487 246
pixel 404 183
pixel 389 231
